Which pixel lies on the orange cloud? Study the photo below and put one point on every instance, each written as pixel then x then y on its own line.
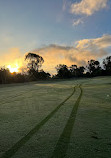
pixel 80 54
pixel 56 54
pixel 98 43
pixel 12 57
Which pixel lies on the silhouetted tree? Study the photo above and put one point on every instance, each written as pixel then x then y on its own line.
pixel 77 72
pixel 73 70
pixel 81 70
pixel 107 65
pixel 34 61
pixel 62 71
pixel 94 68
pixel 4 75
pixel 7 77
pixel 42 75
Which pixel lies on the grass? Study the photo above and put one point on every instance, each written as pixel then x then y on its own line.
pixel 22 141
pixel 64 140
pixel 46 119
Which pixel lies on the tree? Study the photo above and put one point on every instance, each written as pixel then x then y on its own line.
pixel 62 71
pixel 4 75
pixel 94 68
pixel 76 72
pixel 107 65
pixel 34 62
pixel 73 70
pixel 43 75
pixel 81 70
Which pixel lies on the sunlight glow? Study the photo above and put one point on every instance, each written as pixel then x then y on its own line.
pixel 13 68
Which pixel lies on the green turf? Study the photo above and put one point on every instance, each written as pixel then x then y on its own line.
pixel 49 120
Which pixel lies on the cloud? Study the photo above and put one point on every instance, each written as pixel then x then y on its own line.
pixel 97 43
pixel 77 22
pixel 12 57
pixel 80 54
pixel 88 7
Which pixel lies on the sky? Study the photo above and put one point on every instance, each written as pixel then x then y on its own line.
pixel 61 31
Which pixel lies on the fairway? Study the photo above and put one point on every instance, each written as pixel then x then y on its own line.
pixel 56 119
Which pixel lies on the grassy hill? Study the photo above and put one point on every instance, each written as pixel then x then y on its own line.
pixel 70 118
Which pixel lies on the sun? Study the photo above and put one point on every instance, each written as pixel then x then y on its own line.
pixel 13 69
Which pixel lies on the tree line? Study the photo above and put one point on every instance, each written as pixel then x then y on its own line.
pixel 34 72
pixel 92 69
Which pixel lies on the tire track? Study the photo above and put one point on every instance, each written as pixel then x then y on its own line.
pixel 64 140
pixel 9 153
